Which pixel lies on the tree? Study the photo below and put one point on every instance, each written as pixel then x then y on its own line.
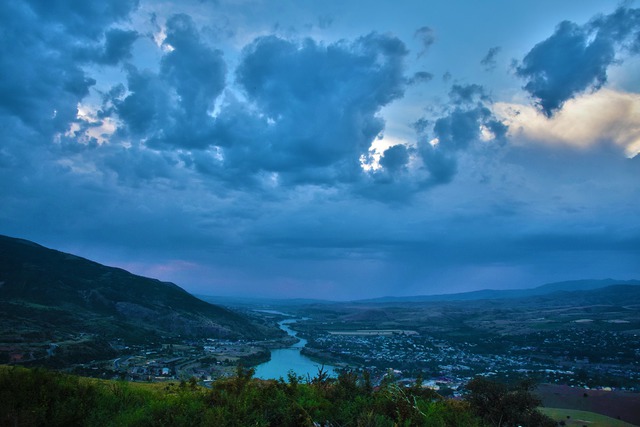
pixel 502 406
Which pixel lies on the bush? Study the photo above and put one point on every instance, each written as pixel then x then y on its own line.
pixel 499 405
pixel 38 397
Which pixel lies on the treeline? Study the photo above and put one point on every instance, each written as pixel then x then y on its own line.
pixel 37 397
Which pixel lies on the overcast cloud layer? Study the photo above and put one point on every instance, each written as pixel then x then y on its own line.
pixel 307 150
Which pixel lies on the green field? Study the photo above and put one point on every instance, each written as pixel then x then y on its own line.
pixel 583 418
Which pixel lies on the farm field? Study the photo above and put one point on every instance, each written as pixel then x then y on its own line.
pixel 614 404
pixel 572 417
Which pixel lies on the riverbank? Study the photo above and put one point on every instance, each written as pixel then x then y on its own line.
pixel 292 359
pixel 325 358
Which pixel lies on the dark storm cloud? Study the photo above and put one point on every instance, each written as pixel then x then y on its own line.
pixel 460 127
pixel 420 77
pixel 454 132
pixel 621 26
pixel 80 17
pixel 395 158
pixel 135 167
pixel 49 53
pixel 489 60
pixel 565 64
pixel 281 75
pixel 442 166
pixel 427 38
pixel 405 171
pixel 576 58
pixel 45 48
pixel 196 71
pixel 253 175
pixel 191 70
pixel 467 94
pixel 421 125
pixel 308 112
pixel 118 45
pixel 115 48
pixel 148 108
pixel 316 105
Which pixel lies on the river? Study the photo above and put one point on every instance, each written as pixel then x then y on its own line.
pixel 288 359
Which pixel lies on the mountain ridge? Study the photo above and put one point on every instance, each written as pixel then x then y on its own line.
pixel 482 294
pixel 48 294
pixel 547 288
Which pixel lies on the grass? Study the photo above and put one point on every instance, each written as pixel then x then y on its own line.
pixel 583 418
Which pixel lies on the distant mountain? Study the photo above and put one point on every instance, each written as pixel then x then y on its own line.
pixel 489 294
pixel 582 285
pixel 258 303
pixel 46 295
pixel 616 294
pixel 484 294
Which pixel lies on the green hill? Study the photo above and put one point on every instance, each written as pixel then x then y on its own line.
pixel 51 296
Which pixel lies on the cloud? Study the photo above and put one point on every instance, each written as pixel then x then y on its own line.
pixel 271 128
pixel 300 87
pixel 83 19
pixel 118 45
pixel 622 26
pixel 195 71
pixel 135 166
pixel 420 77
pixel 171 109
pixel 256 155
pixel 47 49
pixel 441 165
pixel 576 57
pixel 565 64
pixel 395 158
pixel 489 60
pixel 460 127
pixel 468 94
pixel 147 112
pixel 588 120
pixel 427 37
pixel 398 172
pixel 469 120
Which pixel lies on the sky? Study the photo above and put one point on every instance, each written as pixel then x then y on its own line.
pixel 335 149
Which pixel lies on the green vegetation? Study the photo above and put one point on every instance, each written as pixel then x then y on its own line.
pixel 51 290
pixel 30 397
pixel 570 417
pixel 82 307
pixel 501 405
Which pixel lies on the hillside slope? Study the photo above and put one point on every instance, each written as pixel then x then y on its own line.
pixel 49 295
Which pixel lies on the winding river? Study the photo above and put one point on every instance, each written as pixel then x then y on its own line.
pixel 289 359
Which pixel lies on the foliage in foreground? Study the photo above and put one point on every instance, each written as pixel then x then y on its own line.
pixel 40 397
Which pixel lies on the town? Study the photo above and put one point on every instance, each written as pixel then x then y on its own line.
pixel 205 360
pixel 447 365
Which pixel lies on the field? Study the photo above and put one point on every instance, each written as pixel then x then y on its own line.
pixel 572 417
pixel 614 404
